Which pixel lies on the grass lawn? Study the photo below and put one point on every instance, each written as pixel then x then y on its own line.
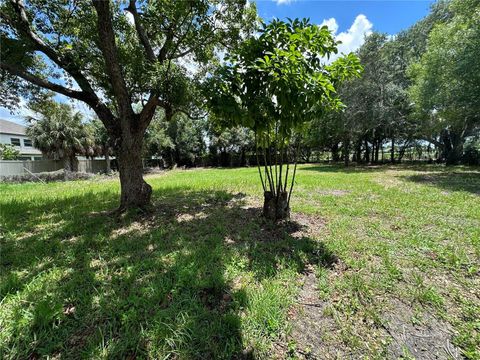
pixel 377 262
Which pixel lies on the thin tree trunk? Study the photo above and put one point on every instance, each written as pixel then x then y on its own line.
pixel 335 156
pixel 358 157
pixel 373 152
pixel 346 151
pixel 107 161
pixel 259 165
pixel 392 151
pixel 367 152
pixel 66 164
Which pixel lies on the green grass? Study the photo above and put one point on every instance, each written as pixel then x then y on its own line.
pixel 205 277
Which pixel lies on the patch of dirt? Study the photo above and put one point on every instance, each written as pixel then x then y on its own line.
pixel 391 180
pixel 316 335
pixel 334 192
pixel 306 225
pixel 215 299
pixel 313 332
pixel 427 339
pixel 80 338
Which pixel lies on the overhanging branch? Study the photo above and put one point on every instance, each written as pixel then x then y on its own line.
pixel 23 26
pixel 79 95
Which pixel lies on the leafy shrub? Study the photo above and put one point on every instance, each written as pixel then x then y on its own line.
pixel 8 152
pixel 471 155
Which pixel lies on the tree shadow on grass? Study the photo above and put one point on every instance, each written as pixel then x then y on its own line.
pixel 449 181
pixel 176 283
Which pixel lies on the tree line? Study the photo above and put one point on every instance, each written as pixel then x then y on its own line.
pixel 419 91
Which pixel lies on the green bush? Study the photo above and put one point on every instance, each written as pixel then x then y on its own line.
pixel 471 155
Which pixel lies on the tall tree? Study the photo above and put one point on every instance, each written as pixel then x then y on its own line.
pixel 274 84
pixel 447 79
pixel 187 136
pixel 111 56
pixel 225 142
pixel 158 143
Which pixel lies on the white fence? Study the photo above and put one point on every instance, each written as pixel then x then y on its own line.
pixel 18 167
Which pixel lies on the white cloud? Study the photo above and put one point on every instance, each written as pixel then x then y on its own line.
pixel 331 24
pixel 283 2
pixel 354 37
pixel 129 16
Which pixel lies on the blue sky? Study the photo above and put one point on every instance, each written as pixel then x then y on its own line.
pixel 386 16
pixel 350 21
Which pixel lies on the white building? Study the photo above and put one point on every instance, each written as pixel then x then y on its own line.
pixel 15 134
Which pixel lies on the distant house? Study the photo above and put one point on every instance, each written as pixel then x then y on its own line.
pixel 15 134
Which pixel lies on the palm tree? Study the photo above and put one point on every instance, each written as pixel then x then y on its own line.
pixel 59 133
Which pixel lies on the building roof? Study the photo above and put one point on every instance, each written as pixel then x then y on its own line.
pixel 8 127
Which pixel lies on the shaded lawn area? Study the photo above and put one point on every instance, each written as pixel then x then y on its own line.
pixel 382 252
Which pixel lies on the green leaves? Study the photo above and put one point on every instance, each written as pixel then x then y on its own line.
pixel 8 152
pixel 446 80
pixel 280 79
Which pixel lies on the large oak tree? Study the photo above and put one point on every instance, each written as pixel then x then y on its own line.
pixel 124 59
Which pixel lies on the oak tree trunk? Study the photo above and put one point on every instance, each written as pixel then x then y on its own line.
pixel 358 154
pixel 453 148
pixel 135 192
pixel 276 208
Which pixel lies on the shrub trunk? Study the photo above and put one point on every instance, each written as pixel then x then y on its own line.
pixel 276 207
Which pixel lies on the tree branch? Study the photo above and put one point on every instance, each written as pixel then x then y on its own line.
pixel 87 95
pixel 92 100
pixel 189 115
pixel 79 95
pixel 168 41
pixel 109 51
pixel 65 63
pixel 148 110
pixel 141 31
